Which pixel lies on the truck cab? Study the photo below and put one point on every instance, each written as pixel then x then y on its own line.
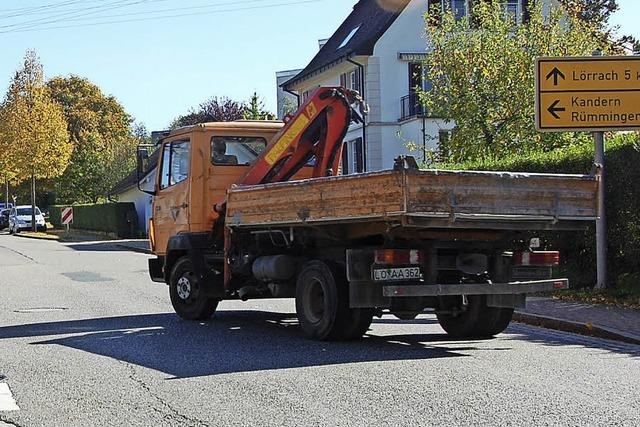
pixel 197 165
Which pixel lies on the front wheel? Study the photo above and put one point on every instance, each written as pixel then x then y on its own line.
pixel 187 296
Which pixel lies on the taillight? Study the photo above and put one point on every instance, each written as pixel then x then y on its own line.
pixel 542 258
pixel 398 256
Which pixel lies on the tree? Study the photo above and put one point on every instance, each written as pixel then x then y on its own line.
pixel 213 110
pixel 255 110
pixel 34 128
pixel 101 133
pixel 482 72
pixel 597 13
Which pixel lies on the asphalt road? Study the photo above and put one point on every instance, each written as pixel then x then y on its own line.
pixel 86 339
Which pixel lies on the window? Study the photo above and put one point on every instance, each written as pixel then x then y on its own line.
pixel 354 80
pixel 418 78
pixel 351 80
pixel 352 157
pixel 512 8
pixel 458 7
pixel 175 163
pixel 349 37
pixel 236 150
pixel 27 211
pixel 305 96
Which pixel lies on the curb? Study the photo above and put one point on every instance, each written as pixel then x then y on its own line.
pixel 134 249
pixel 26 236
pixel 587 329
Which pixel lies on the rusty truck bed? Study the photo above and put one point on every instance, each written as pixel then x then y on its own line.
pixel 432 199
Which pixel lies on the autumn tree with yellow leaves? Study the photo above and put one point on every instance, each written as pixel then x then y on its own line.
pixel 33 129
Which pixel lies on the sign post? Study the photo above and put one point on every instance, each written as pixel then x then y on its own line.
pixel 66 216
pixel 597 94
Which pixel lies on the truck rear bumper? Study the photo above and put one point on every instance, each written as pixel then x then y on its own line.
pixel 513 288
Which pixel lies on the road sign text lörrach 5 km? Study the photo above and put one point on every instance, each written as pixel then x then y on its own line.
pixel 588 94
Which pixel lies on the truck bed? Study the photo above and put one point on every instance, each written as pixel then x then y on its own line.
pixel 433 199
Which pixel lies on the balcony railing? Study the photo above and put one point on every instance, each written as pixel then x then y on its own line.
pixel 410 106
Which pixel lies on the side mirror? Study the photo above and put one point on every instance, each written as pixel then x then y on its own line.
pixel 144 165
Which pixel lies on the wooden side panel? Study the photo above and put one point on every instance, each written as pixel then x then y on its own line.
pixel 317 200
pixel 443 196
pixel 508 194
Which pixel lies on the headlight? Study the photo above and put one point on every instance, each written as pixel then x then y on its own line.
pixel 21 222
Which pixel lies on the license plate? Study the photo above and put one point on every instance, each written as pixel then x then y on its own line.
pixel 390 274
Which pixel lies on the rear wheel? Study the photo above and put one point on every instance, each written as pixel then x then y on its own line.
pixel 474 319
pixel 187 296
pixel 322 304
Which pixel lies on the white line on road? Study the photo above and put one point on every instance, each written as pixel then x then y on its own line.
pixel 7 403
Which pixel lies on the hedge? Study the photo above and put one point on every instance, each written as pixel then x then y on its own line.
pixel 622 199
pixel 117 218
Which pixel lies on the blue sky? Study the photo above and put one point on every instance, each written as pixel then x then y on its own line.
pixel 159 68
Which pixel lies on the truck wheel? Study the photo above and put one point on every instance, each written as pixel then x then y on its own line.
pixel 187 298
pixel 322 304
pixel 462 324
pixel 494 320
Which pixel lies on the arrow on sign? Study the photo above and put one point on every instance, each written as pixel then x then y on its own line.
pixel 553 109
pixel 555 73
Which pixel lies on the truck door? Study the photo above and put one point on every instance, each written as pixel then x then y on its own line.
pixel 171 203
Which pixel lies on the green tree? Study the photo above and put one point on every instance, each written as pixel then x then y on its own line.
pixel 255 110
pixel 214 109
pixel 598 13
pixel 101 133
pixel 34 128
pixel 482 72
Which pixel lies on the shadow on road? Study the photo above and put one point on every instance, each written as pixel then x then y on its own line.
pixel 102 246
pixel 235 341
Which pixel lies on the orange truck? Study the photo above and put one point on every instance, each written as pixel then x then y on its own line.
pixel 248 210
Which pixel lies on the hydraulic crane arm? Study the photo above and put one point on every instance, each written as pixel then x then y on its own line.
pixel 316 131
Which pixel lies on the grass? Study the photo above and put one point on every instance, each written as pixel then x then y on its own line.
pixel 624 298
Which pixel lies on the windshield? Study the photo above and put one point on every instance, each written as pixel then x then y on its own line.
pixel 26 211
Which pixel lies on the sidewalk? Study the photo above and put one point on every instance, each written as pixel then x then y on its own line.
pixel 596 320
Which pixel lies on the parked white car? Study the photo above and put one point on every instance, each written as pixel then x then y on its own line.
pixel 20 219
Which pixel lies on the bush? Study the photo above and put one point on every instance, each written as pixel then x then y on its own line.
pixel 622 198
pixel 117 218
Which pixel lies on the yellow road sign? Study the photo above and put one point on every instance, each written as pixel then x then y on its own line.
pixel 588 94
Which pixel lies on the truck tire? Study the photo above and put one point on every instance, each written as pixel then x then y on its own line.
pixel 322 304
pixel 186 297
pixel 494 320
pixel 477 321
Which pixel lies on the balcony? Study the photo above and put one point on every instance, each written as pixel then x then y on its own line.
pixel 410 106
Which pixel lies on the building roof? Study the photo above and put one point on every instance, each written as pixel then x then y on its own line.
pixel 357 35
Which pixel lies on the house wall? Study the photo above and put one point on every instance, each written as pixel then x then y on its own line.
pixel 143 206
pixel 141 200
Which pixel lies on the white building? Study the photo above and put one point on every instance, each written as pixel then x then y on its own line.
pixel 378 50
pixel 128 190
pixel 285 99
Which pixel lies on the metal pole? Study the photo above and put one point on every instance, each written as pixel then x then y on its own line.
pixel 601 222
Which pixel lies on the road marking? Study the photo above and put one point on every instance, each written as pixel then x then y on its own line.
pixel 7 403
